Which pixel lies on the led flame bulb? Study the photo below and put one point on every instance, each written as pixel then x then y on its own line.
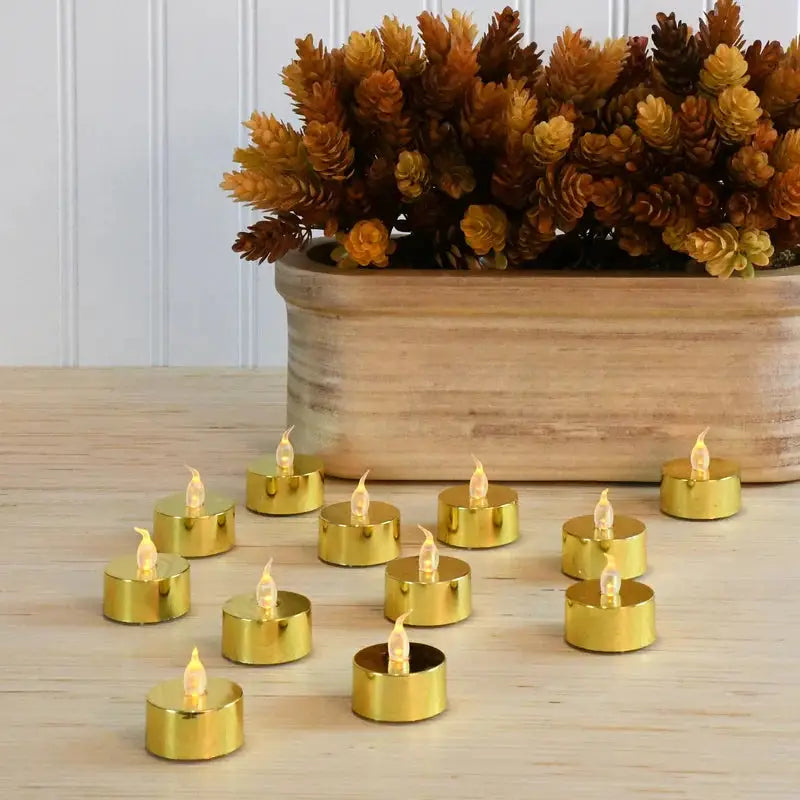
pixel 284 453
pixel 399 647
pixel 603 516
pixel 267 591
pixel 428 553
pixel 700 458
pixel 610 583
pixel 478 483
pixel 195 491
pixel 146 553
pixel 359 500
pixel 194 677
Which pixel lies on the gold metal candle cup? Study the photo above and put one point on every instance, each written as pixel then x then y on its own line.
pixel 584 557
pixel 271 491
pixel 212 530
pixel 251 635
pixel 134 597
pixel 629 626
pixel 440 599
pixel 716 498
pixel 347 543
pixel 382 697
pixel 183 729
pixel 476 526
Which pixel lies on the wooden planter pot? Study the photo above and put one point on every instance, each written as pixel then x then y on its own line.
pixel 542 376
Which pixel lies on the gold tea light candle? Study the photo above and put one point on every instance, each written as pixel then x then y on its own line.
pixel 610 615
pixel 287 483
pixel 194 718
pixel 701 487
pixel 146 587
pixel 194 523
pixel 428 589
pixel 266 626
pixel 360 533
pixel 478 515
pixel 399 681
pixel 586 540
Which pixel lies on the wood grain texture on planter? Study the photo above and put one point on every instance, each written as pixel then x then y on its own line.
pixel 544 376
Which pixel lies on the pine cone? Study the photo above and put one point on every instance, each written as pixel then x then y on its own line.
pixel 750 210
pixel 367 243
pixel 786 153
pixel 706 204
pixel 444 85
pixel 452 174
pixel 412 174
pixel 485 228
pixel 435 37
pixel 781 90
pixel 533 236
pixel 322 103
pixel 566 191
pixel 638 65
pixel 722 26
pixel 402 52
pixel 525 63
pixel 622 108
pixel 450 250
pixel 626 148
pixel 270 239
pixel 280 143
pixel 725 251
pixel 658 125
pixel 519 115
pixel 698 131
pixel 498 46
pixel 462 30
pixel 329 151
pixel 675 55
pixel 363 54
pixel 787 234
pixel 550 140
pixel 761 63
pixel 637 240
pixel 379 103
pixel 593 153
pixel 725 67
pixel 736 112
pixel 663 203
pixel 611 198
pixel 483 116
pixel 751 167
pixel 312 80
pixel 765 136
pixel 675 236
pixel 784 193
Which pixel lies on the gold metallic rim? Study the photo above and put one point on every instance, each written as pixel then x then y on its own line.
pixel 270 492
pixel 211 532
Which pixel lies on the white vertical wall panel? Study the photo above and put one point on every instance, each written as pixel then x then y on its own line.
pixel 774 19
pixel 361 15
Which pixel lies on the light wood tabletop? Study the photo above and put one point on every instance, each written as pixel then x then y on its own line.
pixel 712 710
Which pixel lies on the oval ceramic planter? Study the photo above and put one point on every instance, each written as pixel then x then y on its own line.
pixel 543 376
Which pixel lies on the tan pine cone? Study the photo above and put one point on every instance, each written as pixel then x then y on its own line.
pixel 725 67
pixel 270 239
pixel 252 187
pixel 737 111
pixel 593 152
pixel 363 54
pixel 461 27
pixel 520 114
pixel 784 194
pixel 329 151
pixel 485 228
pixel 380 103
pixel 622 109
pixel 725 250
pixel 611 198
pixel 550 140
pixel 280 143
pixel 452 174
pixel 658 125
pixel 412 174
pixel 751 167
pixel 750 210
pixel 435 37
pixel 786 153
pixel 367 243
pixel 765 136
pixel 322 103
pixel 781 90
pixel 637 240
pixel 663 203
pixel 675 236
pixel 762 62
pixel 402 52
pixel 566 191
pixel 699 134
pixel 483 115
pixel 626 148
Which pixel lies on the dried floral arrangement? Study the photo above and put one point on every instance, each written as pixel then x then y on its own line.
pixel 632 153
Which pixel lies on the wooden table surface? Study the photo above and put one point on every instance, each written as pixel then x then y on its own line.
pixel 712 710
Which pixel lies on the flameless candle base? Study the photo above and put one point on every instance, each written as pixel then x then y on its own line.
pixel 185 729
pixel 135 597
pixel 584 557
pixel 382 697
pixel 493 524
pixel 440 598
pixel 272 491
pixel 345 542
pixel 210 531
pixel 589 625
pixel 252 635
pixel 716 498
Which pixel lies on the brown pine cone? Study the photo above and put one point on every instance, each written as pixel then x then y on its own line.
pixel 786 153
pixel 483 115
pixel 626 148
pixel 675 55
pixel 736 112
pixel 621 109
pixel 750 210
pixel 706 204
pixel 663 203
pixel 498 45
pixel 485 228
pixel 329 151
pixel 658 125
pixel 762 62
pixel 765 136
pixel 402 52
pixel 450 251
pixel 532 237
pixel 435 37
pixel 380 103
pixel 270 239
pixel 638 65
pixel 721 26
pixel 725 67
pixel 674 236
pixel 412 174
pixel 322 103
pixel 611 198
pixel 637 240
pixel 566 191
pixel 549 140
pixel 444 85
pixel 526 63
pixel 698 131
pixel 452 174
pixel 751 167
pixel 787 234
pixel 593 153
pixel 363 54
pixel 781 90
pixel 784 194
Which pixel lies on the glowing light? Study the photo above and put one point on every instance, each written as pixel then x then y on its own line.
pixel 399 647
pixel 604 517
pixel 267 591
pixel 284 453
pixel 700 458
pixel 359 500
pixel 195 491
pixel 428 553
pixel 610 584
pixel 146 553
pixel 194 677
pixel 478 483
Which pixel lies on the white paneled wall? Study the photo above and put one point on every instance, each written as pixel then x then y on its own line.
pixel 118 118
